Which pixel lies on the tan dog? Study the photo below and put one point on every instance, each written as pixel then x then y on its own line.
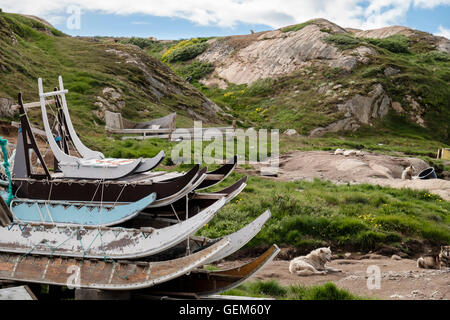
pixel 441 261
pixel 313 263
pixel 407 174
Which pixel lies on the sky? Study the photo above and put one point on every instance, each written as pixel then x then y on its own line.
pixel 175 19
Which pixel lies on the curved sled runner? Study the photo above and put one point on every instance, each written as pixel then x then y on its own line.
pixel 148 164
pixel 176 211
pixel 101 243
pixel 203 282
pixel 100 274
pixel 189 188
pixel 216 176
pixel 241 237
pixel 237 239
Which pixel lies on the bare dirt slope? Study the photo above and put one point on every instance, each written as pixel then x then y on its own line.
pixel 370 168
pixel 400 279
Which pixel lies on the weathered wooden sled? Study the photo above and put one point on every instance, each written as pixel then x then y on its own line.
pixel 75 213
pixel 156 127
pixel 115 119
pixel 100 274
pixel 87 168
pixel 67 130
pixel 30 185
pixel 99 242
pixel 203 283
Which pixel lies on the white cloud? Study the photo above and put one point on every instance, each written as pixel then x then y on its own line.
pixel 227 13
pixel 56 19
pixel 443 32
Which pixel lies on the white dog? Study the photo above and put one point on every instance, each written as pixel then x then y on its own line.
pixel 313 263
pixel 407 174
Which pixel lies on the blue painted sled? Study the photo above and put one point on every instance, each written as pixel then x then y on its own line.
pixel 76 213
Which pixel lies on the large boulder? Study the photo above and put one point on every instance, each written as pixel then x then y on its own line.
pixel 5 108
pixel 359 110
pixel 111 100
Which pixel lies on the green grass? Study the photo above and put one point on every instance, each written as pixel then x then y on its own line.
pixel 355 217
pixel 394 43
pixel 272 289
pixel 343 41
pixel 297 27
pixel 195 70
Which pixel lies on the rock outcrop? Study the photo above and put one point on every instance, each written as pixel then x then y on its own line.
pixel 359 110
pixel 159 88
pixel 110 100
pixel 5 108
pixel 244 59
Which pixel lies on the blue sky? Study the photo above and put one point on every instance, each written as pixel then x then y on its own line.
pixel 174 19
pixel 139 25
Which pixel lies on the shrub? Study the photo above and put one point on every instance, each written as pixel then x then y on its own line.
pixel 140 42
pixel 327 291
pixel 185 50
pixel 260 87
pixel 269 288
pixel 296 27
pixel 343 41
pixel 196 70
pixel 395 43
pixel 433 56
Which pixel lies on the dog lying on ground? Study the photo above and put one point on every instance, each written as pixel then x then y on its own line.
pixel 313 263
pixel 407 174
pixel 441 261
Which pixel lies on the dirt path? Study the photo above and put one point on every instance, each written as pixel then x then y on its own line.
pixel 400 279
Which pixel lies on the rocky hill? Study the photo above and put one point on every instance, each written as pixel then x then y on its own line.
pixel 99 76
pixel 317 77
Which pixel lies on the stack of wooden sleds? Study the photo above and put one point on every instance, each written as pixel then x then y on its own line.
pixel 112 224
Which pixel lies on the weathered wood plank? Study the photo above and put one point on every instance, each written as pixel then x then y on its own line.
pixel 6 216
pixel 31 105
pixel 17 293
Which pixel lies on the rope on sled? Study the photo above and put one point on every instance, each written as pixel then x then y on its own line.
pixel 3 143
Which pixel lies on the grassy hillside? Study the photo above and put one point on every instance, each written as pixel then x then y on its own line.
pixel 295 100
pixel 30 49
